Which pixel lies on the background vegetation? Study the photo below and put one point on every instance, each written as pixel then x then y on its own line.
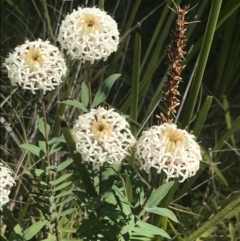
pixel 217 184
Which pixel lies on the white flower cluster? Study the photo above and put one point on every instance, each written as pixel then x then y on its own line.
pixel 6 182
pixel 103 136
pixel 36 65
pixel 89 34
pixel 169 149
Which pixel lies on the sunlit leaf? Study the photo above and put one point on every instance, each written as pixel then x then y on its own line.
pixel 75 103
pixel 34 229
pixel 163 212
pixel 61 179
pixel 84 94
pixel 32 148
pixel 104 90
pixel 64 164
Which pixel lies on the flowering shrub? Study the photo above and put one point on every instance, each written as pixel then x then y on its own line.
pixel 97 165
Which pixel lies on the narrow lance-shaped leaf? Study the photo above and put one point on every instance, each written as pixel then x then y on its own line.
pixel 163 212
pixel 202 115
pixel 32 148
pixel 34 229
pixel 104 90
pixel 75 103
pixel 157 195
pixel 203 57
pixel 84 94
pixel 41 126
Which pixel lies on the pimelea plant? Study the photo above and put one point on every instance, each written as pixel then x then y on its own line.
pixel 95 167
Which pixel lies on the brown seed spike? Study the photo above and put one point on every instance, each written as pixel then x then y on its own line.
pixel 175 52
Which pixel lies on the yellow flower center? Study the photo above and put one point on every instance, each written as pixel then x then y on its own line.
pixel 34 59
pixel 90 24
pixel 174 138
pixel 101 128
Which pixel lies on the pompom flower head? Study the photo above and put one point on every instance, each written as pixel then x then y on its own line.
pixel 89 34
pixel 36 65
pixel 103 136
pixel 169 149
pixel 6 182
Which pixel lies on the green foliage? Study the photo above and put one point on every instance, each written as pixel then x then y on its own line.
pixel 84 94
pixel 104 89
pixel 75 103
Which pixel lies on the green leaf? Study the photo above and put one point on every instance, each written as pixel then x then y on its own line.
pixel 202 61
pixel 42 145
pixel 227 135
pixel 18 230
pixel 32 148
pixel 34 229
pixel 87 226
pixel 56 140
pixel 74 103
pixel 136 184
pixel 63 194
pixel 36 172
pixel 104 89
pixel 64 164
pixel 56 147
pixel 51 199
pixel 69 239
pixel 122 200
pixel 9 219
pixel 157 195
pixel 61 179
pixel 111 212
pixel 63 185
pixel 163 212
pixel 67 200
pixel 136 71
pixel 202 115
pixel 52 238
pixel 67 212
pixel 41 126
pixel 145 229
pixel 14 237
pixel 108 178
pixel 51 168
pixel 129 225
pixel 84 94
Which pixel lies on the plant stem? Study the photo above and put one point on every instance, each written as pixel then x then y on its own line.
pixel 88 69
pixel 49 27
pixel 45 129
pixel 47 154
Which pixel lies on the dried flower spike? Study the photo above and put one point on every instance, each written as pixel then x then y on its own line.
pixel 169 149
pixel 36 65
pixel 103 136
pixel 89 34
pixel 176 53
pixel 6 182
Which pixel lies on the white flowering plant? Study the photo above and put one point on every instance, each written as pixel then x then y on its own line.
pixel 98 145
